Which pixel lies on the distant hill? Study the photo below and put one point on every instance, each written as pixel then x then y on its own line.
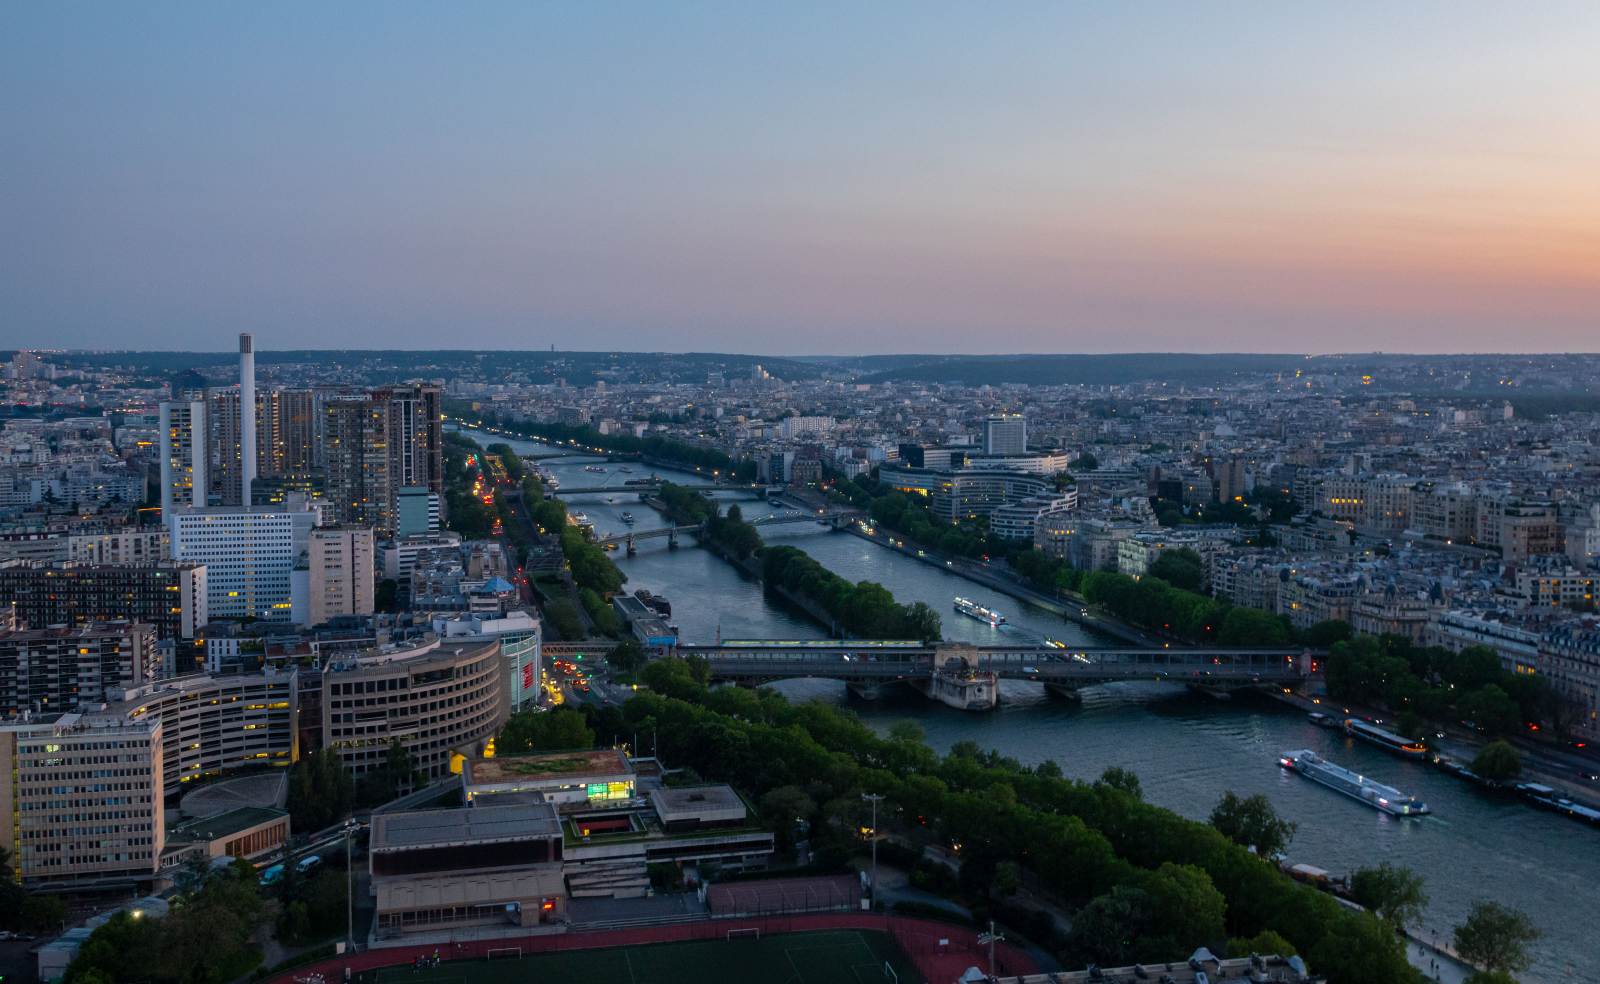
pixel 1090 370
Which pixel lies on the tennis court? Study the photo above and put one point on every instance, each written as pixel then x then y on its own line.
pixel 828 957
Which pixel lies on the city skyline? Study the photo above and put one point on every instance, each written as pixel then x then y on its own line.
pixel 820 181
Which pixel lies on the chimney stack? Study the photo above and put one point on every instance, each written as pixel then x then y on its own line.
pixel 247 417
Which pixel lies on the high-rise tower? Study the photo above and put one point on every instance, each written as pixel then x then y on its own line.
pixel 247 416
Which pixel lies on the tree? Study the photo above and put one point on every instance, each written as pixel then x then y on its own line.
pixel 386 595
pixel 1394 893
pixel 1493 710
pixel 1116 777
pixel 1086 462
pixel 1181 568
pixel 1253 823
pixel 1489 977
pixel 1496 937
pixel 1266 943
pixel 626 656
pixel 1328 632
pixel 562 729
pixel 1498 762
pixel 907 731
pixel 321 791
pixel 785 810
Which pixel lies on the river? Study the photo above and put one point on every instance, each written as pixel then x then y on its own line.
pixel 1187 749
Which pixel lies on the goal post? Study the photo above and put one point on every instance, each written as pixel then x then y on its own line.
pixel 749 932
pixel 503 953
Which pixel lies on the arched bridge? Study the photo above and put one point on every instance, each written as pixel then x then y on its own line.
pixel 875 662
pixel 833 517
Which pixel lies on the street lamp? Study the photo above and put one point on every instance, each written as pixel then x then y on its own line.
pixel 873 798
pixel 349 888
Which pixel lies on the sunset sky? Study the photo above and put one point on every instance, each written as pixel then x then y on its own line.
pixel 802 178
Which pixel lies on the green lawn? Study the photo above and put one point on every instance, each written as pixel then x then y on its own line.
pixel 845 956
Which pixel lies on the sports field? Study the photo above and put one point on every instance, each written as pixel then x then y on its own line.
pixel 843 956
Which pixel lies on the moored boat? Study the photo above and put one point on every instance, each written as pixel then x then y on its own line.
pixel 1385 739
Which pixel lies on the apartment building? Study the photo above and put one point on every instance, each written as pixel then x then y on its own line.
pixel 83 802
pixel 1569 657
pixel 339 565
pixel 69 669
pixel 249 556
pixel 436 698
pixel 212 724
pixel 1019 520
pixel 169 596
pixel 143 546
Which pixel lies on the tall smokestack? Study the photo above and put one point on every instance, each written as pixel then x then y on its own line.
pixel 247 417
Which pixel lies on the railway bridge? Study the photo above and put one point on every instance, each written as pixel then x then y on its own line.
pixel 869 665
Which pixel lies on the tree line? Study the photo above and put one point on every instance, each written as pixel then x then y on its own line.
pixel 865 609
pixel 654 445
pixel 1143 884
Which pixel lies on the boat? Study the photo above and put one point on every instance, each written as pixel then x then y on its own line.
pixel 1354 785
pixel 974 610
pixel 1551 799
pixel 597 469
pixel 579 519
pixel 1322 720
pixel 1385 739
pixel 627 517
pixel 625 470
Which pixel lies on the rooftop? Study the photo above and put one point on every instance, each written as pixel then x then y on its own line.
pixel 549 765
pixel 465 825
pixel 223 824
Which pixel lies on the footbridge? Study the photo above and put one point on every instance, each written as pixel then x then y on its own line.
pixel 869 664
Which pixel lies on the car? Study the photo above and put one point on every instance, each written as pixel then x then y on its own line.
pixel 308 864
pixel 272 876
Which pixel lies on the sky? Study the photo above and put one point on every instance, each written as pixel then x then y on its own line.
pixel 802 178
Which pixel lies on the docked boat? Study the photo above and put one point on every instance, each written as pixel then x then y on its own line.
pixel 579 519
pixel 1322 720
pixel 1385 739
pixel 627 517
pixel 625 470
pixel 1551 799
pixel 1354 785
pixel 972 609
pixel 597 469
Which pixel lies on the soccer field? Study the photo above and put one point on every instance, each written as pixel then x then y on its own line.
pixel 845 956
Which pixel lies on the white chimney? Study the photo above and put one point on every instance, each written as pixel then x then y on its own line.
pixel 247 417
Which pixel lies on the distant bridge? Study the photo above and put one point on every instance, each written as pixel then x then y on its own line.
pixel 871 663
pixel 647 485
pixel 833 517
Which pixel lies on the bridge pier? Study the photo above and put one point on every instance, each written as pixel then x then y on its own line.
pixel 672 539
pixel 632 549
pixel 1063 692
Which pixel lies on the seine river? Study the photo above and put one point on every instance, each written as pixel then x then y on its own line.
pixel 1187 749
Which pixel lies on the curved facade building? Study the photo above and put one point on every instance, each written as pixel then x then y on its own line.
pixel 436 698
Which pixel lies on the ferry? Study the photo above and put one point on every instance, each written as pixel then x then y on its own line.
pixel 627 517
pixel 1398 744
pixel 597 469
pixel 974 610
pixel 1356 786
pixel 579 519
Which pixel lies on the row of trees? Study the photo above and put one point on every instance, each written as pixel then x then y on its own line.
pixel 655 445
pixel 865 609
pixel 1144 884
pixel 1430 683
pixel 729 531
pixel 465 513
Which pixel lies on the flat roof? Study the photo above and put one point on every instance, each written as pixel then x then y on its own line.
pixel 223 824
pixel 422 829
pixel 697 799
pixel 546 766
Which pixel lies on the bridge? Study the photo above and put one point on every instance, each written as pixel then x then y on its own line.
pixel 630 539
pixel 645 486
pixel 867 665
